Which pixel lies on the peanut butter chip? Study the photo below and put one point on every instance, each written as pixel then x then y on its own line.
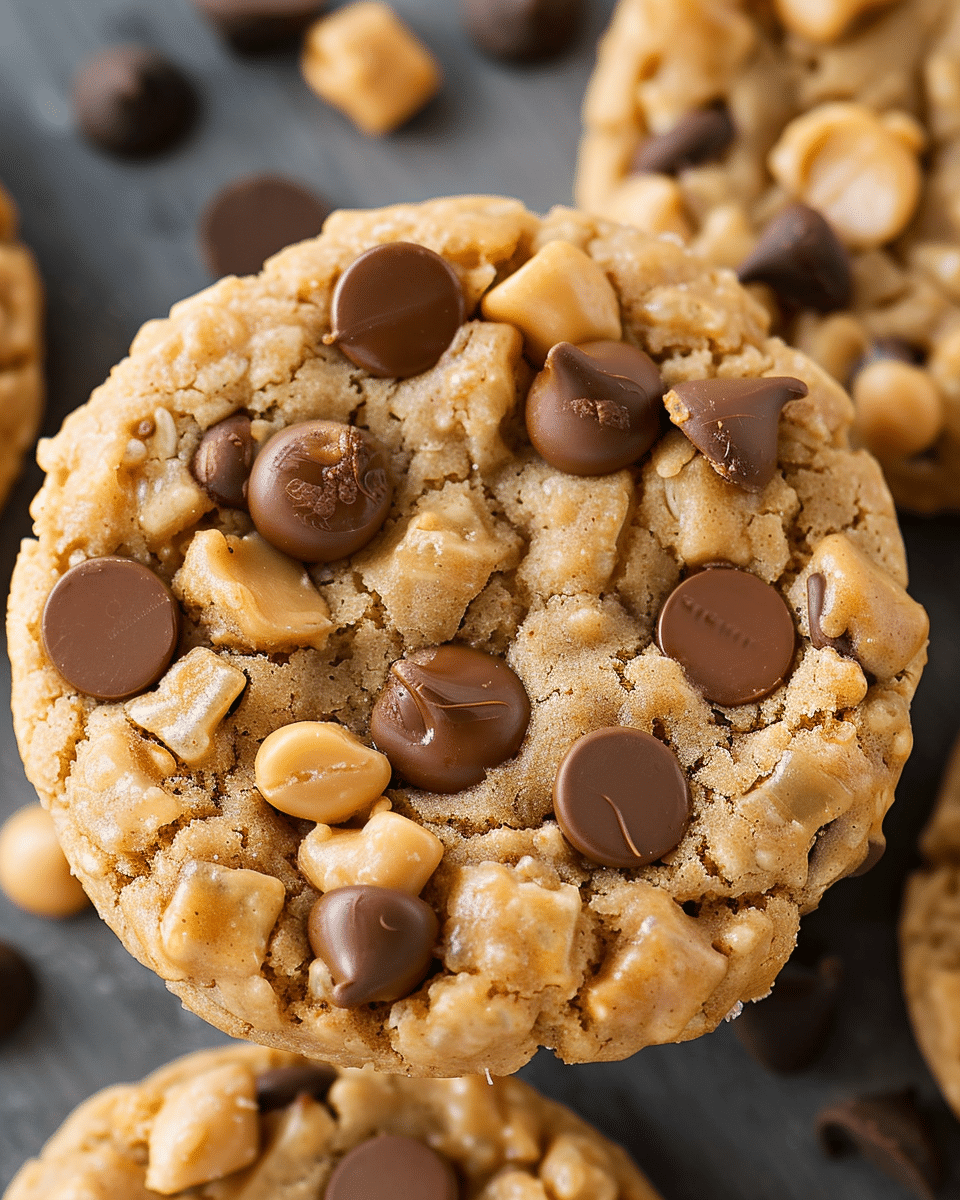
pixel 731 632
pixel 621 797
pixel 110 627
pixel 803 260
pixel 390 1167
pixel 223 459
pixel 701 136
pixel 396 309
pixel 377 942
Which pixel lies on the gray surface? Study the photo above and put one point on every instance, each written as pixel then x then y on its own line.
pixel 116 246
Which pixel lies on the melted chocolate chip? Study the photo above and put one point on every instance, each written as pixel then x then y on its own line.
pixel 281 1086
pixel 621 797
pixel 378 943
pixel 447 714
pixel 260 26
pixel 701 136
pixel 802 260
pixel 816 593
pixel 731 632
pixel 18 989
pixel 252 219
pixel 320 490
pixel 789 1029
pixel 110 626
pixel 595 408
pixel 523 30
pixel 734 422
pixel 222 462
pixel 396 309
pixel 390 1167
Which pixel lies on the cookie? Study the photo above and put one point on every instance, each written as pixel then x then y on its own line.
pixel 814 149
pixel 357 803
pixel 244 1121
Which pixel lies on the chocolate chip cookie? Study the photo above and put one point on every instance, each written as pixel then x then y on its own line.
pixel 474 632
pixel 814 149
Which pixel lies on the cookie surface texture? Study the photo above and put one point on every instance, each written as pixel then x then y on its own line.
pixel 833 195
pixel 557 577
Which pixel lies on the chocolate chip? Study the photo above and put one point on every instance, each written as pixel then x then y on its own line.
pixel 252 219
pixel 378 943
pixel 132 101
pixel 319 490
pixel 789 1028
pixel 701 136
pixel 595 408
pixel 18 989
pixel 734 422
pixel 222 462
pixel 523 30
pixel 731 632
pixel 816 593
pixel 260 26
pixel 396 309
pixel 621 797
pixel 390 1167
pixel 884 349
pixel 803 260
pixel 891 1132
pixel 110 626
pixel 281 1086
pixel 447 714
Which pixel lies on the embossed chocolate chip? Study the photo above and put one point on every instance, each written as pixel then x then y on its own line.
pixel 378 943
pixel 110 627
pixel 396 309
pixel 731 632
pixel 595 408
pixel 282 1085
pixel 800 257
pixel 701 136
pixel 447 714
pixel 260 26
pixel 621 797
pixel 788 1030
pixel 390 1167
pixel 816 593
pixel 522 30
pixel 222 461
pixel 320 490
pixel 132 101
pixel 18 989
pixel 733 423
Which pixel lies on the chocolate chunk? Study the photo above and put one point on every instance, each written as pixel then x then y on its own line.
pixel 390 1167
pixel 18 989
pixel 222 462
pixel 789 1029
pixel 523 30
pixel 396 309
pixel 621 797
pixel 260 26
pixel 132 101
pixel 281 1086
pixel 731 632
pixel 320 490
pixel 252 219
pixel 887 348
pixel 803 260
pixel 378 943
pixel 111 626
pixel 701 136
pixel 595 408
pixel 447 714
pixel 891 1132
pixel 733 423
pixel 816 593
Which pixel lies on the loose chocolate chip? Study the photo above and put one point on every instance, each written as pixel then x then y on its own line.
pixel 890 1131
pixel 733 423
pixel 621 797
pixel 816 593
pixel 110 626
pixel 260 26
pixel 701 136
pixel 523 30
pixel 789 1029
pixel 222 462
pixel 254 218
pixel 447 714
pixel 132 101
pixel 595 408
pixel 378 943
pixel 390 1167
pixel 803 260
pixel 396 309
pixel 18 989
pixel 281 1086
pixel 319 490
pixel 731 632
pixel 886 348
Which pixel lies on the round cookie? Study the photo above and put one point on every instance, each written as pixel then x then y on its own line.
pixel 161 801
pixel 251 1122
pixel 815 149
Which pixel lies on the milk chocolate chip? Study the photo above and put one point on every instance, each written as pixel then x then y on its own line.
pixel 803 260
pixel 731 632
pixel 447 714
pixel 621 797
pixel 252 219
pixel 320 490
pixel 18 989
pixel 396 309
pixel 259 26
pixel 110 626
pixel 816 593
pixel 281 1086
pixel 378 943
pixel 701 136
pixel 222 462
pixel 522 30
pixel 390 1167
pixel 595 408
pixel 788 1029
